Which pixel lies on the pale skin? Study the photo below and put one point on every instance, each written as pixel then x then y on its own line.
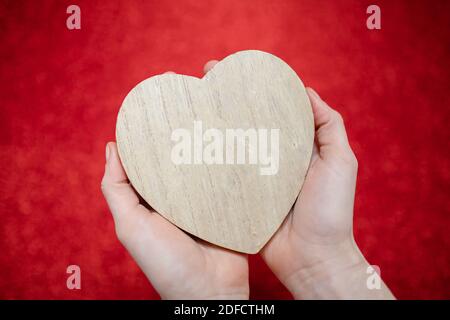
pixel 314 253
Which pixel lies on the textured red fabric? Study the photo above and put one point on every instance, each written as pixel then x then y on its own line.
pixel 61 90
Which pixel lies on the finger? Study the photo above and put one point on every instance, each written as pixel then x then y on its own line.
pixel 209 65
pixel 144 235
pixel 120 196
pixel 330 129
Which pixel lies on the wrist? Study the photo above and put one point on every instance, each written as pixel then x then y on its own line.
pixel 325 271
pixel 342 274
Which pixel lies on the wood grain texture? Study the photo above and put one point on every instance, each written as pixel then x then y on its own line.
pixel 230 205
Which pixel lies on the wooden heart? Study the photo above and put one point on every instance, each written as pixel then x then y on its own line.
pixel 179 141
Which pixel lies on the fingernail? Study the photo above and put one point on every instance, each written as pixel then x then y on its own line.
pixel 107 152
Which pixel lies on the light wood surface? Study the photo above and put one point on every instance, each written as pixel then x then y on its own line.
pixel 230 205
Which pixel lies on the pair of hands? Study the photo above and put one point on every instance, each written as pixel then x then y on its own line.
pixel 313 253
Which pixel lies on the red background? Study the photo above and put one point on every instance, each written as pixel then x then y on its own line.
pixel 61 90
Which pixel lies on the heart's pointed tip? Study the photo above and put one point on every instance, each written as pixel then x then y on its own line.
pixel 246 250
pixel 249 247
pixel 255 250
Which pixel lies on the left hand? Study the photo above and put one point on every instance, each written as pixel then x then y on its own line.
pixel 178 266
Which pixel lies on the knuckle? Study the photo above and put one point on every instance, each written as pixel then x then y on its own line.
pixel 354 160
pixel 351 160
pixel 121 233
pixel 103 185
pixel 338 117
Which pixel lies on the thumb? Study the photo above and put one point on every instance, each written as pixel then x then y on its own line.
pixel 120 196
pixel 331 136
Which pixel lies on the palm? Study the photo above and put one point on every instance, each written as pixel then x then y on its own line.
pixel 178 265
pixel 187 267
pixel 320 220
pixel 315 219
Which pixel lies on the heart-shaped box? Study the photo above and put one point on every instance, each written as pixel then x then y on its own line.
pixel 223 157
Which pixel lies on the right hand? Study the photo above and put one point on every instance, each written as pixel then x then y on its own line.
pixel 314 252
